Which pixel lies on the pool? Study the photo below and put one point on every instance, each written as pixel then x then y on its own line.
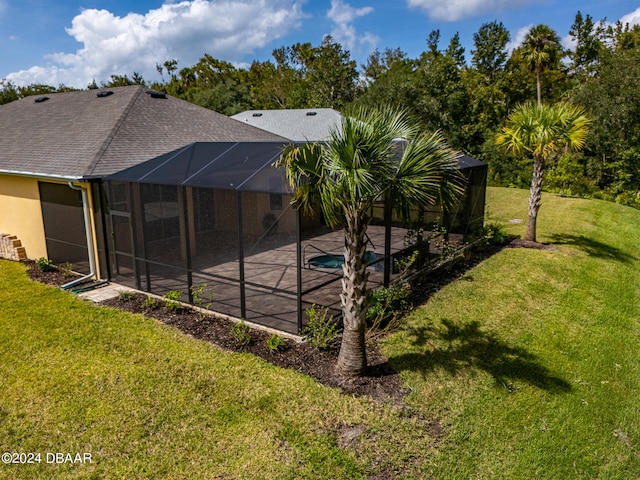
pixel 336 260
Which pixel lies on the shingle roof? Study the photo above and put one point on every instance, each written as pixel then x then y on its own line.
pixel 299 125
pixel 82 135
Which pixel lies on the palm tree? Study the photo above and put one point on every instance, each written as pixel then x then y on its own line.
pixel 541 49
pixel 361 162
pixel 541 130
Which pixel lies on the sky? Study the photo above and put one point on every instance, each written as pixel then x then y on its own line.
pixel 74 42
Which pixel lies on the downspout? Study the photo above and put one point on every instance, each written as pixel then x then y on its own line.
pixel 87 227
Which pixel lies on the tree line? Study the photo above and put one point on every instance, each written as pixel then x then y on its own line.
pixel 468 101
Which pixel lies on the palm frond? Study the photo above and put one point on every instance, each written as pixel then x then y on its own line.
pixel 426 173
pixel 363 160
pixel 541 130
pixel 304 170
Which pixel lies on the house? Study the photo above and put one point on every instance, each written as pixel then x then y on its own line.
pixel 55 148
pixel 133 186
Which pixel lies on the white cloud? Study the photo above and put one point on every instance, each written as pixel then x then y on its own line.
pixel 568 42
pixel 452 10
pixel 632 18
pixel 343 15
pixel 226 29
pixel 518 38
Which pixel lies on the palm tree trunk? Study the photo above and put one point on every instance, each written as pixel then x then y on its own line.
pixel 352 359
pixel 535 198
pixel 539 87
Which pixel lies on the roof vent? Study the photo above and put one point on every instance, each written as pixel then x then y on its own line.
pixel 104 93
pixel 154 94
pixel 311 114
pixel 256 115
pixel 41 99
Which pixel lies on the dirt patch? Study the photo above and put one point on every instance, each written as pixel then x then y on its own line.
pixel 55 277
pixel 349 436
pixel 519 243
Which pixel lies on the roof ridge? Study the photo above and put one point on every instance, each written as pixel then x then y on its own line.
pixel 114 131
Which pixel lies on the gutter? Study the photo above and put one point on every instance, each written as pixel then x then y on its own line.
pixel 87 227
pixel 44 176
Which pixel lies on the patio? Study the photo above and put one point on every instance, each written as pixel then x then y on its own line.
pixel 219 217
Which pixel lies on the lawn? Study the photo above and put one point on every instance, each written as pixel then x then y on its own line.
pixel 527 367
pixel 530 361
pixel 145 401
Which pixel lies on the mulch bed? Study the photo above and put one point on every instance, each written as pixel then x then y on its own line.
pixel 381 382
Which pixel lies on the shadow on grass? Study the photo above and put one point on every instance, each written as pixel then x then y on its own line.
pixel 470 348
pixel 594 248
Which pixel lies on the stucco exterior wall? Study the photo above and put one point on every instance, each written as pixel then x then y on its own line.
pixel 21 215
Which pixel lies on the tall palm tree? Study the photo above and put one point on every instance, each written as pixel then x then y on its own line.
pixel 540 130
pixel 361 162
pixel 541 49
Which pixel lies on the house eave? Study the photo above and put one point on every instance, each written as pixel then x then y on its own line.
pixel 43 176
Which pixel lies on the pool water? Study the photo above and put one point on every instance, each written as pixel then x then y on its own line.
pixel 336 260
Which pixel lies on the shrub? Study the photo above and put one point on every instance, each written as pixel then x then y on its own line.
pixel 494 234
pixel 172 300
pixel 448 249
pixel 276 343
pixel 321 332
pixel 241 333
pixel 125 295
pixel 387 305
pixel 198 296
pixel 44 264
pixel 406 261
pixel 631 199
pixel 416 254
pixel 149 303
pixel 67 269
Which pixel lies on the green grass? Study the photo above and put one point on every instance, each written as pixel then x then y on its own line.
pixel 529 363
pixel 148 402
pixel 531 360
